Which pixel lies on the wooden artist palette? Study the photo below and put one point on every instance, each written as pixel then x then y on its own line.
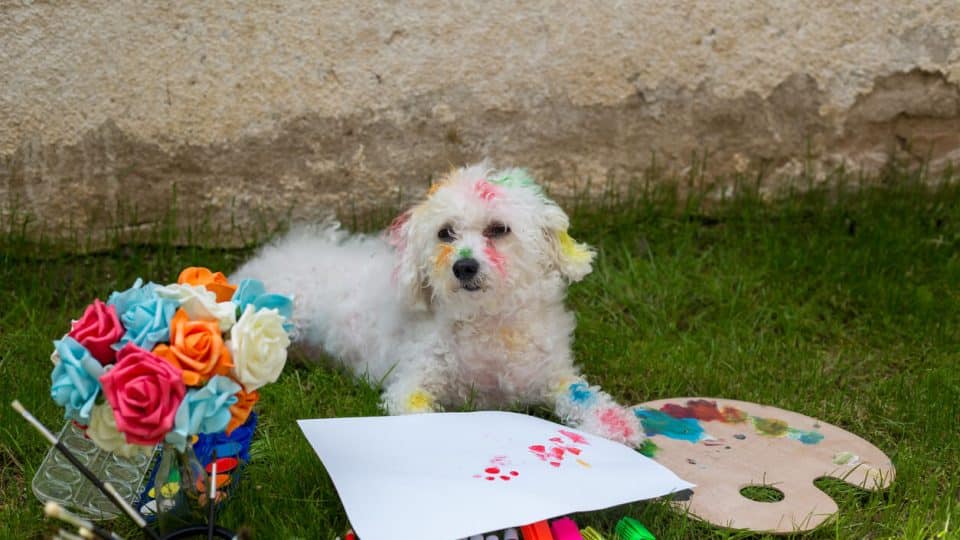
pixel 723 446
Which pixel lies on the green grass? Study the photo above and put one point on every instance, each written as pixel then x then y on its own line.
pixel 843 304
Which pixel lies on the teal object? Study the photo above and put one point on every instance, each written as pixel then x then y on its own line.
pixel 204 410
pixel 252 291
pixel 145 316
pixel 660 423
pixel 75 379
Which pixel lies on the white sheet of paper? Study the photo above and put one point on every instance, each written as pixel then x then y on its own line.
pixel 443 476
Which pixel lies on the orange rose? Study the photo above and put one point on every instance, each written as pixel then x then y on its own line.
pixel 196 348
pixel 240 410
pixel 213 282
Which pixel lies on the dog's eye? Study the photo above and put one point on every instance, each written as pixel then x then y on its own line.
pixel 496 230
pixel 446 234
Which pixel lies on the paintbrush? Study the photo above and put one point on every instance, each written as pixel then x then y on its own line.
pixel 212 495
pixel 55 511
pixel 104 487
pixel 64 534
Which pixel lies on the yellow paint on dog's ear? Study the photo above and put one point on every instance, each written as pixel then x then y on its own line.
pixel 574 251
pixel 573 259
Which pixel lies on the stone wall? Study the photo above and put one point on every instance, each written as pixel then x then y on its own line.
pixel 260 110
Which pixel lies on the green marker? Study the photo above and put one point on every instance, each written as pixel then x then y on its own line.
pixel 631 529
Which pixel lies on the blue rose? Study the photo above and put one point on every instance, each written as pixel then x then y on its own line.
pixel 144 315
pixel 203 410
pixel 252 291
pixel 75 379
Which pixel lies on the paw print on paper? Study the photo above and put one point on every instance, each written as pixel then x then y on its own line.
pixel 499 470
pixel 560 448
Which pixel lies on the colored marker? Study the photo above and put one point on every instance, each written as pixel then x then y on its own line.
pixel 350 535
pixel 536 531
pixel 631 529
pixel 565 529
pixel 590 533
pixel 511 534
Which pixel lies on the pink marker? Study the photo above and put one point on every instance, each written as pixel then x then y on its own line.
pixel 565 529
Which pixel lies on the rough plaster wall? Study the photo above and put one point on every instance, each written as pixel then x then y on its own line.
pixel 257 109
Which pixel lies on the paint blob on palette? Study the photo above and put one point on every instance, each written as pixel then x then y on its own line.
pixel 724 446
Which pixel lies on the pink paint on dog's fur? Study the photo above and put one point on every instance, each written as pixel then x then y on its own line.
pixel 486 191
pixel 616 421
pixel 394 238
pixel 496 258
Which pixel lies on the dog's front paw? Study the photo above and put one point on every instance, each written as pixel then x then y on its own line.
pixel 615 423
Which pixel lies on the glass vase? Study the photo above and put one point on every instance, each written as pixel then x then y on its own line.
pixel 175 497
pixel 58 480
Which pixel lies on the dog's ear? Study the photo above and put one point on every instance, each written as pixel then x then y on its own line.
pixel 407 274
pixel 573 259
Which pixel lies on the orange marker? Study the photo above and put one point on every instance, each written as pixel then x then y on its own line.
pixel 536 531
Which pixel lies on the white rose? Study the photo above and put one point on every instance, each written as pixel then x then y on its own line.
pixel 201 304
pixel 103 432
pixel 259 344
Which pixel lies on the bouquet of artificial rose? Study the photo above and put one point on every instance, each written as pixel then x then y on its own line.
pixel 166 363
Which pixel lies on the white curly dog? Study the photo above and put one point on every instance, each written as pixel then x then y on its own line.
pixel 459 302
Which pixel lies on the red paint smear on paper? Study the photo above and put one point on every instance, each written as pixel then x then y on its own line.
pixel 705 410
pixel 575 437
pixel 574 450
pixel 555 463
pixel 496 258
pixel 497 468
pixel 485 190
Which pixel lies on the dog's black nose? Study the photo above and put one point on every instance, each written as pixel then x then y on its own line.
pixel 466 269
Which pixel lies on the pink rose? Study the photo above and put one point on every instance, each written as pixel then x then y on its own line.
pixel 144 392
pixel 97 330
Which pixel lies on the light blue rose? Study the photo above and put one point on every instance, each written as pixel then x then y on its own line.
pixel 203 410
pixel 76 379
pixel 252 291
pixel 144 315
